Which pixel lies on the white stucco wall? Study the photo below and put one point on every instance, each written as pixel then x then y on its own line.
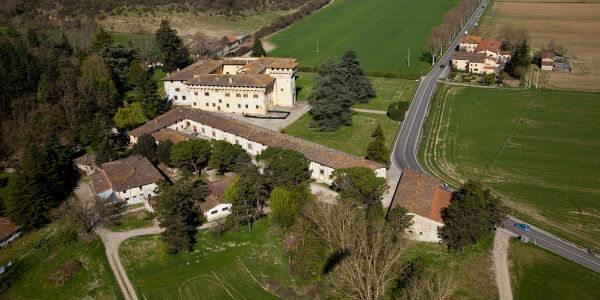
pixel 177 91
pixel 231 99
pixel 467 47
pixel 285 86
pixel 423 229
pixel 218 212
pixel 460 64
pixel 137 194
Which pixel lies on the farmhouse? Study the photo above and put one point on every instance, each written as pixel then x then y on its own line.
pixel 235 85
pixel 215 206
pixel 469 43
pixel 490 47
pixel 254 139
pixel 547 61
pixel 132 180
pixel 477 63
pixel 422 196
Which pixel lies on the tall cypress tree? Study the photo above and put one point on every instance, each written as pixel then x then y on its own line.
pixel 175 54
pixel 146 93
pixel 377 150
pixel 257 48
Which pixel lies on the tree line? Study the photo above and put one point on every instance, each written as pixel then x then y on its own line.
pixel 442 35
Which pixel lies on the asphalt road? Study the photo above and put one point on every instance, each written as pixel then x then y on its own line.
pixel 405 154
pixel 562 248
pixel 407 143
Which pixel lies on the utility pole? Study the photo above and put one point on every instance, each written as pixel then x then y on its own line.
pixel 537 78
pixel 317 46
pixel 409 57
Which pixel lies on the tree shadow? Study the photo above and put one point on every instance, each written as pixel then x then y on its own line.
pixel 426 57
pixel 333 260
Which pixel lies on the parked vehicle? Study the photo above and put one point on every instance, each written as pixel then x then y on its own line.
pixel 522 226
pixel 442 66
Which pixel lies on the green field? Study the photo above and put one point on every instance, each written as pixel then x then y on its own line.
pixel 380 31
pixel 130 222
pixel 350 139
pixel 388 90
pixel 539 274
pixel 539 150
pixel 234 266
pixel 32 266
pixel 471 270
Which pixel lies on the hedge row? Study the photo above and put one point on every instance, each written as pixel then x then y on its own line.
pixel 397 110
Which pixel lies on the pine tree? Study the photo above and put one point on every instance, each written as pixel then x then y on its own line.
pixel 377 149
pixel 466 219
pixel 224 155
pixel 257 48
pixel 146 93
pixel 359 85
pixel 285 168
pixel 101 39
pixel 175 54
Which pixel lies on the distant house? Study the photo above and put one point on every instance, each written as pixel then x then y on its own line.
pixel 562 67
pixel 8 232
pixel 547 61
pixel 215 206
pixel 476 63
pixel 469 43
pixel 86 163
pixel 423 197
pixel 131 180
pixel 504 56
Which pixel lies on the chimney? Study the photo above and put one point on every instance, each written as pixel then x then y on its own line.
pixel 230 80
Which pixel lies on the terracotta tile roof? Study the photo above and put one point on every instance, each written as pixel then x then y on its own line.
pixel 216 188
pixel 231 40
pixel 239 60
pixel 421 194
pixel 7 227
pixel 130 172
pixel 314 152
pixel 263 63
pixel 238 80
pixel 490 45
pixel 546 55
pixel 86 160
pixel 100 182
pixel 199 67
pixel 470 56
pixel 470 39
pixel 171 135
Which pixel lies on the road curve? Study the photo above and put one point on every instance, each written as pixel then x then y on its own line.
pixel 405 153
pixel 406 147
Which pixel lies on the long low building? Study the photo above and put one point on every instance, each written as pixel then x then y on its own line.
pixel 254 139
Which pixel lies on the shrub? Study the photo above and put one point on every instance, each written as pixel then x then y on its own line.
pixel 397 110
pixel 64 236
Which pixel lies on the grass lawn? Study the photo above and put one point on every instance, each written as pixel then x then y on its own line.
pixel 539 150
pixel 350 139
pixel 134 221
pixel 388 90
pixel 381 32
pixel 540 274
pixel 234 266
pixel 471 269
pixel 32 266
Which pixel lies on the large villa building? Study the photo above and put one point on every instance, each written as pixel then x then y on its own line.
pixel 184 123
pixel 248 85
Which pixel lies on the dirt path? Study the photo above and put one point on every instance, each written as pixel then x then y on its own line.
pixel 371 111
pixel 500 256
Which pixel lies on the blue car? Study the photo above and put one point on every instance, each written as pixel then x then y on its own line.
pixel 522 226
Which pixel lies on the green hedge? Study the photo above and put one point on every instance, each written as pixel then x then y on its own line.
pixel 397 110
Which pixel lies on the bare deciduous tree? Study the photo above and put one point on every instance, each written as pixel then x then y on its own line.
pixel 371 264
pixel 512 36
pixel 431 285
pixel 335 224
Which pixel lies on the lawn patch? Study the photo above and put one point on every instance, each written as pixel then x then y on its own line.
pixel 235 266
pixel 388 90
pixel 35 260
pixel 539 150
pixel 381 33
pixel 350 139
pixel 133 221
pixel 537 273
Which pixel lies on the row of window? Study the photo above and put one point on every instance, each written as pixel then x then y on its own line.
pixel 227 104
pixel 216 210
